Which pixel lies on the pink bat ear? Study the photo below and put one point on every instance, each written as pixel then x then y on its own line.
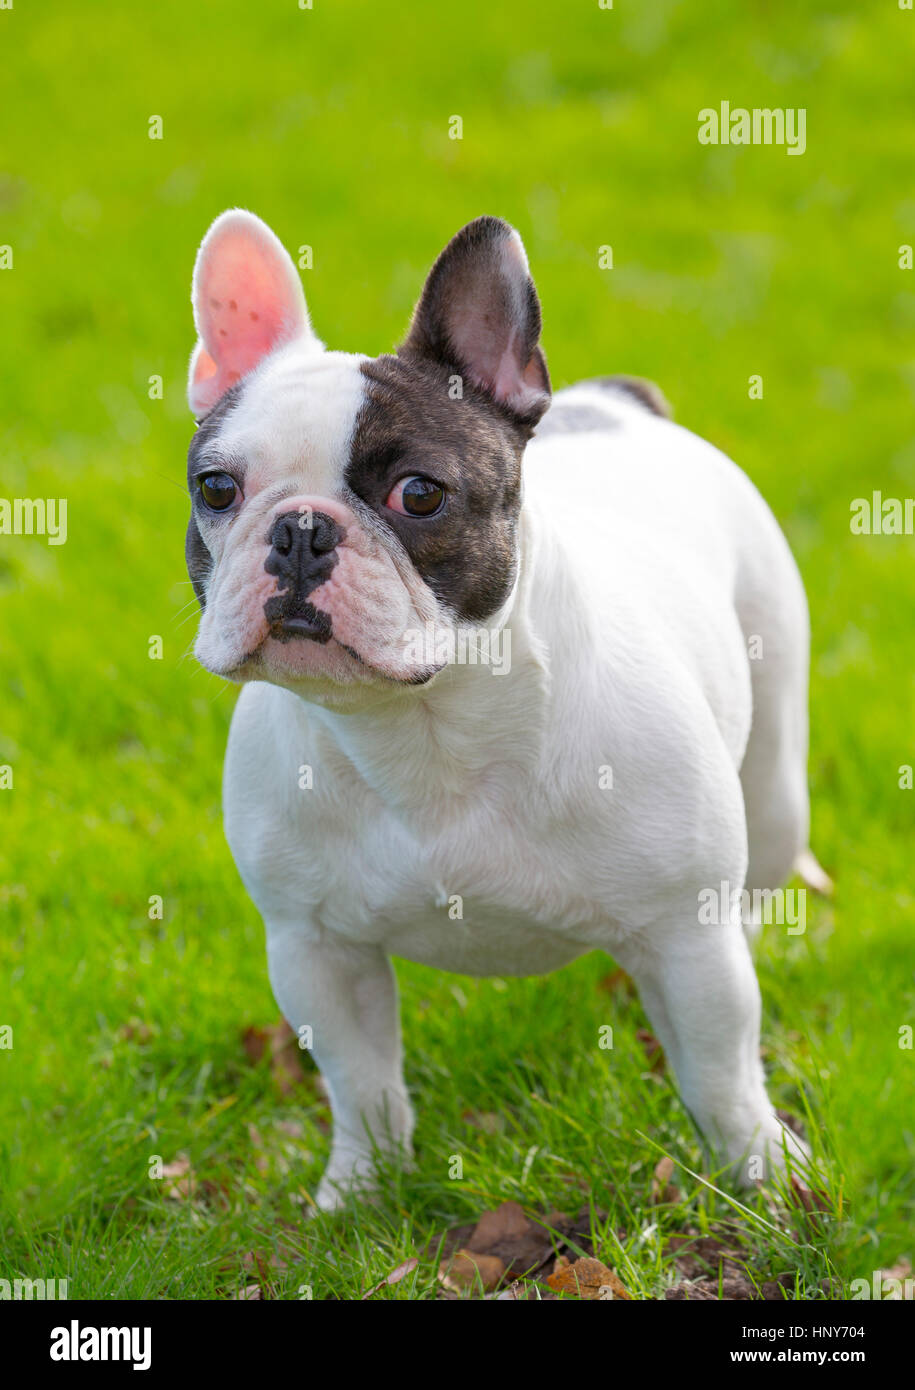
pixel 247 300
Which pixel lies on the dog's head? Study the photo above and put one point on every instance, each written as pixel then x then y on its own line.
pixel 339 502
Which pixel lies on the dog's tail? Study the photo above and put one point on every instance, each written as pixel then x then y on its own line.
pixel 644 391
pixel 811 872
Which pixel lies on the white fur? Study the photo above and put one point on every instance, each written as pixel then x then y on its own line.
pixel 648 561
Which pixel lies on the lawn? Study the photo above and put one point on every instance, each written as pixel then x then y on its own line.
pixel 580 127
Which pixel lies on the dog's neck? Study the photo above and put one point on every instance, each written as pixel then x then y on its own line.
pixel 473 736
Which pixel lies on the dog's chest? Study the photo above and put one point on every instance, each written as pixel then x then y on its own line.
pixel 484 892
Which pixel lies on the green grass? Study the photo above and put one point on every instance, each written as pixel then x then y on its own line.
pixel 580 127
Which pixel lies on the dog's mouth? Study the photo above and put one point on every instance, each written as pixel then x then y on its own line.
pixel 285 654
pixel 292 617
pixel 308 624
pixel 303 622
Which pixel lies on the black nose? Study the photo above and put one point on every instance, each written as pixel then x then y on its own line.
pixel 302 555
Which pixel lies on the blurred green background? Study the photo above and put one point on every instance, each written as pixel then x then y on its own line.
pixel 579 127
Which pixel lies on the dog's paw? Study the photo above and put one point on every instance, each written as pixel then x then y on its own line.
pixel 347 1175
pixel 773 1150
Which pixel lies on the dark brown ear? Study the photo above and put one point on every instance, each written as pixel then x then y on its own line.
pixel 479 313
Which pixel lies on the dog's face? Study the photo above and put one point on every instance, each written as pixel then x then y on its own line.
pixel 339 502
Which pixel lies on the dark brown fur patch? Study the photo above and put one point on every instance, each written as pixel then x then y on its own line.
pixel 467 554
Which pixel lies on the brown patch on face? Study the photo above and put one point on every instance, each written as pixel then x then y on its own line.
pixel 467 553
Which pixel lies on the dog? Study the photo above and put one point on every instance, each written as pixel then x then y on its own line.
pixel 365 533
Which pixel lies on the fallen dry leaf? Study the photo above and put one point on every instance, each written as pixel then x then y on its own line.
pixel 179 1178
pixel 507 1222
pixel 653 1049
pixel 526 1246
pixel 135 1030
pixel 587 1279
pixel 487 1120
pixel 467 1267
pixel 397 1273
pixel 618 982
pixel 810 1198
pixel 662 1189
pixel 281 1045
pixel 251 1293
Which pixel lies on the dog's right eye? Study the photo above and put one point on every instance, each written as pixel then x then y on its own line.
pixel 218 491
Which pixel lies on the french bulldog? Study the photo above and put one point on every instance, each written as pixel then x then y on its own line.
pixel 366 535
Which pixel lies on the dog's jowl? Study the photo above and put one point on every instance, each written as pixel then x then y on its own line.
pixel 365 534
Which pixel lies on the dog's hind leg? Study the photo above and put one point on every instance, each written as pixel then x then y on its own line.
pixel 772 610
pixel 699 990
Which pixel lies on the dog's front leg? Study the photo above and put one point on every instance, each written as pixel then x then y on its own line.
pixel 699 988
pixel 347 995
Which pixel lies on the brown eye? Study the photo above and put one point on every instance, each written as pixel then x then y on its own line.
pixel 218 491
pixel 416 496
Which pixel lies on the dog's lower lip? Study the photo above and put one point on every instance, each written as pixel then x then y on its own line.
pixel 303 627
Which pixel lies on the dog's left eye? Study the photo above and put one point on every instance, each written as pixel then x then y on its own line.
pixel 218 491
pixel 416 496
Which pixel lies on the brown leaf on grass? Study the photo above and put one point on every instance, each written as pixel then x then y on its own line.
pixel 486 1120
pixel 397 1273
pixel 523 1246
pixel 792 1122
pixel 265 1266
pixel 281 1045
pixel 216 1192
pixel 654 1052
pixel 663 1191
pixel 179 1178
pixel 251 1293
pixel 526 1246
pixel 467 1268
pixel 587 1279
pixel 618 982
pixel 507 1222
pixel 182 1182
pixel 810 1198
pixel 135 1030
